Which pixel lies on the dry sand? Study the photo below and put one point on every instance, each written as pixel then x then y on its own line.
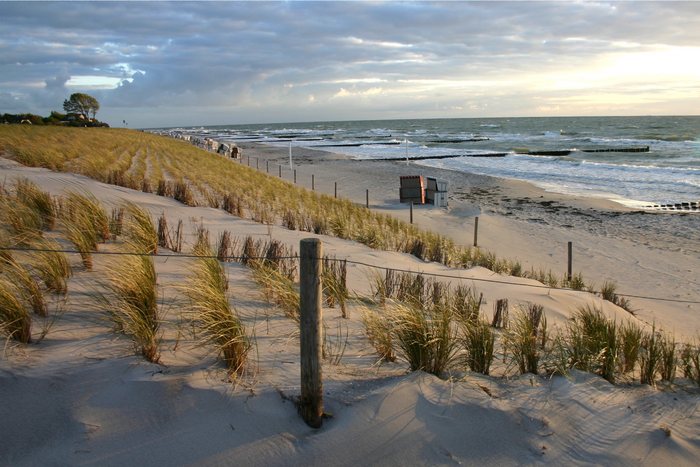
pixel 81 397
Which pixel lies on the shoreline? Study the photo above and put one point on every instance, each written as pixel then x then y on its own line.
pixel 652 254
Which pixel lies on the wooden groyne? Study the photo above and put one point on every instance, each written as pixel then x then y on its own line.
pixel 446 156
pixel 692 206
pixel 566 152
pixel 634 149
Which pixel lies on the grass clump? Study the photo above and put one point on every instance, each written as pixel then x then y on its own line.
pixel 690 362
pixel 425 337
pixel 212 314
pixel 650 356
pixel 630 343
pixel 278 289
pixel 139 229
pixel 132 303
pixel 608 292
pixel 29 194
pixel 669 359
pixel 526 338
pixel 478 341
pixel 594 343
pixel 379 333
pixel 15 320
pixel 27 286
pixel 335 288
pixel 85 223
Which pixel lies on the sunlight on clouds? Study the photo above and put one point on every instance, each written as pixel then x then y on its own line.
pixel 386 44
pixel 357 93
pixel 94 82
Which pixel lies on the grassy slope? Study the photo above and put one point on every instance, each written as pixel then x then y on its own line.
pixel 101 153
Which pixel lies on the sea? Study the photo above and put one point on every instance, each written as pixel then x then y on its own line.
pixel 635 161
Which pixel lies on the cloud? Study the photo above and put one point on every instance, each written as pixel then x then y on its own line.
pixel 206 63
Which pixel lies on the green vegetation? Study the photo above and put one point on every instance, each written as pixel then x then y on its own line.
pixel 131 302
pixel 81 104
pixel 212 315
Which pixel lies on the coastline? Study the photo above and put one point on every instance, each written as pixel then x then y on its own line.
pixel 83 396
pixel 645 254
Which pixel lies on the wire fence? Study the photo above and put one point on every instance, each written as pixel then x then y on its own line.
pixel 348 261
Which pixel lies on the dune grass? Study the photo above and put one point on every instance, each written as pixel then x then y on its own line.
pixel 650 357
pixel 85 223
pixel 478 341
pixel 213 316
pixel 27 286
pixel 594 343
pixel 139 229
pixel 425 338
pixel 379 333
pixel 131 301
pixel 526 339
pixel 15 319
pixel 22 223
pixel 335 288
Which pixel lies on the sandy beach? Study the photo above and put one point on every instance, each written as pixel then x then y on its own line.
pixel 81 396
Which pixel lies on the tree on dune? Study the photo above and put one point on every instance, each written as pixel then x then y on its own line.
pixel 81 104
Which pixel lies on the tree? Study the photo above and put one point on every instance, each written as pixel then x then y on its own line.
pixel 81 104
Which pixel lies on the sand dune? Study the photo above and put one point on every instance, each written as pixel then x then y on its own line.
pixel 81 397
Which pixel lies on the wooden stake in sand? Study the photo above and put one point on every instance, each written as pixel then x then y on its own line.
pixel 476 230
pixel 310 270
pixel 570 262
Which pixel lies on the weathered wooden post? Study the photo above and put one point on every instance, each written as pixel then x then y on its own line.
pixel 335 189
pixel 280 170
pixel 411 212
pixel 310 271
pixel 313 183
pixel 267 167
pixel 295 176
pixel 367 198
pixel 257 164
pixel 248 161
pixel 570 262
pixel 476 230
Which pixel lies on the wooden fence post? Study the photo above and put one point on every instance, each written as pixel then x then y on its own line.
pixel 310 271
pixel 411 212
pixel 476 230
pixel 367 198
pixel 313 183
pixel 570 262
pixel 280 170
pixel 267 167
pixel 257 164
pixel 295 176
pixel 335 189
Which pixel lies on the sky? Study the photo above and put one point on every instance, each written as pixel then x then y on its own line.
pixel 207 63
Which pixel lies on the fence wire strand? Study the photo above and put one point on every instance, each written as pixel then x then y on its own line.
pixel 348 261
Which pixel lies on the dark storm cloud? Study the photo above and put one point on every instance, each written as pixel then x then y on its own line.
pixel 258 60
